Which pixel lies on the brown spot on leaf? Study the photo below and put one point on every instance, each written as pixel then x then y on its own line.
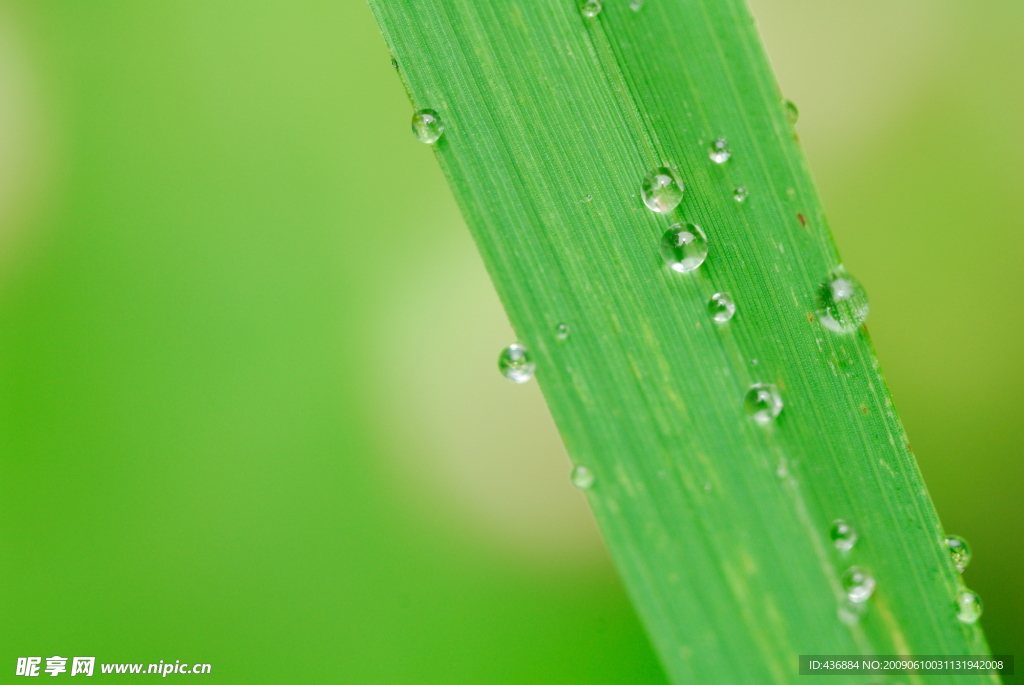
pixel 803 221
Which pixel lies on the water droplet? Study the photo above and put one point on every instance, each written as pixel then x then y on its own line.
pixel 763 402
pixel 792 113
pixel 427 126
pixel 684 247
pixel 858 584
pixel 562 331
pixel 721 307
pixel 740 194
pixel 582 477
pixel 590 9
pixel 635 5
pixel 719 153
pixel 516 363
pixel 662 190
pixel 969 606
pixel 843 535
pixel 843 304
pixel 394 63
pixel 959 550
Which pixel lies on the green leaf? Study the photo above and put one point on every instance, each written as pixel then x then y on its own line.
pixel 720 525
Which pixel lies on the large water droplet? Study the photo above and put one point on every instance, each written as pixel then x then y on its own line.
pixel 427 126
pixel 590 9
pixel 684 247
pixel 662 190
pixel 562 331
pixel 843 535
pixel 959 550
pixel 582 477
pixel 969 606
pixel 740 194
pixel 763 402
pixel 721 307
pixel 635 5
pixel 516 363
pixel 719 152
pixel 843 304
pixel 792 113
pixel 858 584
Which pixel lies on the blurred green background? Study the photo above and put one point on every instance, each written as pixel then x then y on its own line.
pixel 249 410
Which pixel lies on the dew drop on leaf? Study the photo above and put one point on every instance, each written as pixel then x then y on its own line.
pixel 740 194
pixel 858 584
pixel 969 606
pixel 959 550
pixel 582 477
pixel 516 363
pixel 721 307
pixel 763 402
pixel 684 247
pixel 719 152
pixel 843 535
pixel 427 126
pixel 662 190
pixel 842 303
pixel 590 9
pixel 562 331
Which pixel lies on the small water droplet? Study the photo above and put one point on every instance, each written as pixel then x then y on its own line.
pixel 562 331
pixel 740 194
pixel 969 606
pixel 635 5
pixel 792 113
pixel 582 477
pixel 959 550
pixel 590 9
pixel 394 63
pixel 427 126
pixel 763 402
pixel 843 304
pixel 516 363
pixel 662 190
pixel 843 535
pixel 719 153
pixel 721 307
pixel 858 584
pixel 684 247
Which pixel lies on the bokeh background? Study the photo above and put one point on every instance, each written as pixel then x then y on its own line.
pixel 249 410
